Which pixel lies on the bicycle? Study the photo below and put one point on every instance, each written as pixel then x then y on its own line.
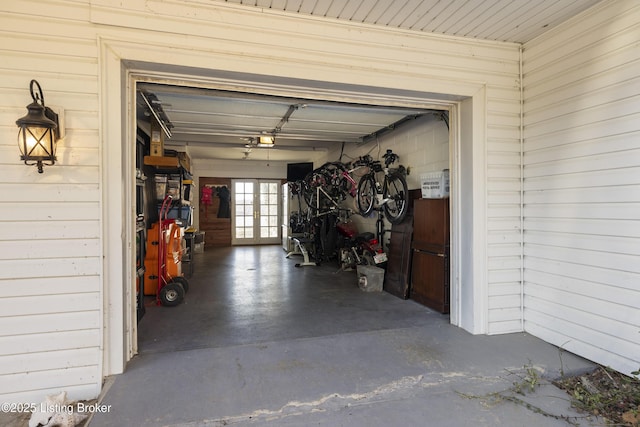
pixel 325 187
pixel 391 195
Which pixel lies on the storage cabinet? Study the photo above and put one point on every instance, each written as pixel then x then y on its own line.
pixel 430 284
pixel 431 224
pixel 430 261
pixel 141 230
pixel 168 175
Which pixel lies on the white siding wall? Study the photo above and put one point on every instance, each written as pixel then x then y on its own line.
pixel 50 247
pixel 52 290
pixel 582 185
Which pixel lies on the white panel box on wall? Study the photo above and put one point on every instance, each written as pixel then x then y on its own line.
pixel 435 185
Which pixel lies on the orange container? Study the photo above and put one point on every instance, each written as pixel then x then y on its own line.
pixel 151 277
pixel 173 266
pixel 152 243
pixel 174 251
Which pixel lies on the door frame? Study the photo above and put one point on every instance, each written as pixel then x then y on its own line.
pixel 124 63
pixel 257 240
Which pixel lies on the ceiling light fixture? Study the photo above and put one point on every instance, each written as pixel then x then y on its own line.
pixel 266 141
pixel 260 142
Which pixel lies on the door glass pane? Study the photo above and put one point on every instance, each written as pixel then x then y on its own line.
pixel 244 210
pixel 269 209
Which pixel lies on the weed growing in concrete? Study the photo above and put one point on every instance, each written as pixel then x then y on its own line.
pixel 528 380
pixel 605 393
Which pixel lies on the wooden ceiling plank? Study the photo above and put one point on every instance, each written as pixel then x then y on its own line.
pixel 502 16
pixel 395 16
pixel 425 23
pixel 465 16
pixel 363 11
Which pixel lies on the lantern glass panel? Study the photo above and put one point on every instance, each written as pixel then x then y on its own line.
pixel 35 141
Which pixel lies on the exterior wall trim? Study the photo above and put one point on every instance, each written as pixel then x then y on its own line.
pixel 123 62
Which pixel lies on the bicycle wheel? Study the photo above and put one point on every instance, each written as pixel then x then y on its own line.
pixel 366 195
pixel 395 190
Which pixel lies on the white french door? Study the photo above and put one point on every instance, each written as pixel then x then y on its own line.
pixel 256 213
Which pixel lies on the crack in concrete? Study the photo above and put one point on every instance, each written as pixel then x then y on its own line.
pixel 327 402
pixel 394 390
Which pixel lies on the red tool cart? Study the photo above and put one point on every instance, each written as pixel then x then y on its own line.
pixel 171 284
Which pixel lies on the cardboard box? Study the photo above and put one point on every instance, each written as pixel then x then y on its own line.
pixel 370 278
pixel 161 186
pixel 435 185
pixel 157 139
pixel 185 161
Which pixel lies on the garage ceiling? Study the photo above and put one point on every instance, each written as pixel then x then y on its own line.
pixel 220 125
pixel 225 125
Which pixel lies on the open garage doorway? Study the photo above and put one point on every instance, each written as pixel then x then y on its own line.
pixel 243 295
pixel 468 293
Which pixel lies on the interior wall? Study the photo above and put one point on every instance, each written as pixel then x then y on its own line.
pixel 423 146
pixel 217 228
pixel 236 169
pixel 582 185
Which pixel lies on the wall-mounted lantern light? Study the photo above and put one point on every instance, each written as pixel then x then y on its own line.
pixel 38 132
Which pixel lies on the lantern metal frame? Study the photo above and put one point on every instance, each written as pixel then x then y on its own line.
pixel 39 131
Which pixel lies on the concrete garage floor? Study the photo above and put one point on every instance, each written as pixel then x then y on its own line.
pixel 261 342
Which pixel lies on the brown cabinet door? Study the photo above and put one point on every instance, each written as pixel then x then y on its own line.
pixel 431 223
pixel 430 280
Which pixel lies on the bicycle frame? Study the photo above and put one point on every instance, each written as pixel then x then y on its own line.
pixel 378 192
pixel 328 185
pixel 379 200
pixel 354 185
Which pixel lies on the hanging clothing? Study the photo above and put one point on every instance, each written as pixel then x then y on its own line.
pixel 224 211
pixel 205 198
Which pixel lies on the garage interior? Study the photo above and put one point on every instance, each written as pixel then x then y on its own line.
pixel 247 291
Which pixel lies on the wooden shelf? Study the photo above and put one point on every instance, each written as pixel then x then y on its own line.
pixel 162 162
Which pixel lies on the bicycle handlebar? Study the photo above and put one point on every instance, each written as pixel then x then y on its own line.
pixel 366 160
pixel 390 157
